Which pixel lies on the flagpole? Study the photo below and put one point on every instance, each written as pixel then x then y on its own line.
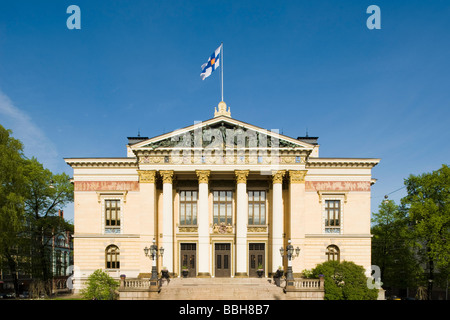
pixel 221 71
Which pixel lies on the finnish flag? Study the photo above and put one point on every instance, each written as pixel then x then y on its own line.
pixel 211 65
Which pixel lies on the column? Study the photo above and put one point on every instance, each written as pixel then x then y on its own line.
pixel 204 261
pixel 147 192
pixel 241 222
pixel 277 219
pixel 297 216
pixel 167 229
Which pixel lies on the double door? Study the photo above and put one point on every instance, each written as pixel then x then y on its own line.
pixel 222 258
pixel 256 258
pixel 188 258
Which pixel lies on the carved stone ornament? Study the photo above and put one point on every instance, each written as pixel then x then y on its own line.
pixel 167 176
pixel 222 110
pixel 222 228
pixel 297 176
pixel 287 160
pixel 277 176
pixel 187 229
pixel 203 176
pixel 146 176
pixel 241 176
pixel 152 159
pixel 257 229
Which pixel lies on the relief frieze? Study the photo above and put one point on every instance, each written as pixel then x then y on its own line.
pixel 337 186
pixel 106 185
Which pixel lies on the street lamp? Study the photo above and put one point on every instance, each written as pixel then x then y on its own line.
pixel 152 253
pixel 289 252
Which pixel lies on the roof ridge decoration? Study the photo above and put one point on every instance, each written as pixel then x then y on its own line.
pixel 222 110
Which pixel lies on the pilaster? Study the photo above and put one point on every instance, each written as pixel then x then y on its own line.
pixel 297 215
pixel 147 216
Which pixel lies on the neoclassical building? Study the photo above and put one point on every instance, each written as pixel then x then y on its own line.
pixel 221 197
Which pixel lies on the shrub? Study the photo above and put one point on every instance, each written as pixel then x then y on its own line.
pixel 345 281
pixel 100 286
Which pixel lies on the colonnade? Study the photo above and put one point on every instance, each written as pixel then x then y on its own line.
pixel 296 208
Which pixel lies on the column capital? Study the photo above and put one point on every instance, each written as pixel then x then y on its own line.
pixel 277 176
pixel 167 176
pixel 297 176
pixel 203 175
pixel 241 175
pixel 147 176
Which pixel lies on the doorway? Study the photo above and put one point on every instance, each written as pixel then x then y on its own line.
pixel 188 252
pixel 256 258
pixel 222 257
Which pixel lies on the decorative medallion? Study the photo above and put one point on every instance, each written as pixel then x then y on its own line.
pixel 222 228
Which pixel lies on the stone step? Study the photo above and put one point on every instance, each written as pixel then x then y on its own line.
pixel 220 289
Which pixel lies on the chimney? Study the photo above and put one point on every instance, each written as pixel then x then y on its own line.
pixel 61 213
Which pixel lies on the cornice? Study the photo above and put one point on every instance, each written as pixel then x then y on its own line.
pixel 341 163
pixel 102 162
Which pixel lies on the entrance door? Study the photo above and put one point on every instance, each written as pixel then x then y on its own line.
pixel 188 258
pixel 223 259
pixel 256 258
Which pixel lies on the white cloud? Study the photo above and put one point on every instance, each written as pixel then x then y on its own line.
pixel 36 143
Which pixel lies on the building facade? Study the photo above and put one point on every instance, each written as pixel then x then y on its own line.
pixel 221 197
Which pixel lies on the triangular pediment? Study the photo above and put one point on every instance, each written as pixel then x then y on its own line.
pixel 222 132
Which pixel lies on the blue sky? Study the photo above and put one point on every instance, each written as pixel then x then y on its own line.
pixel 288 65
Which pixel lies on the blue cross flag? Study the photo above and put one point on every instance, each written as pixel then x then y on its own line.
pixel 211 65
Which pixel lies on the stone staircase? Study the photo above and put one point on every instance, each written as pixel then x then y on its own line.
pixel 219 289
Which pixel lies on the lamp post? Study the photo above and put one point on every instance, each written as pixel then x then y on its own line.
pixel 289 253
pixel 152 253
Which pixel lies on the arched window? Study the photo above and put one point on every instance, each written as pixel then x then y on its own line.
pixel 112 257
pixel 333 253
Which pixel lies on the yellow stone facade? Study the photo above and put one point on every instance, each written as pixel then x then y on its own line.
pixel 222 207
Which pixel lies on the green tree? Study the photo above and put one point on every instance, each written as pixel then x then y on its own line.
pixel 392 246
pixel 46 193
pixel 428 205
pixel 344 281
pixel 12 195
pixel 30 197
pixel 100 286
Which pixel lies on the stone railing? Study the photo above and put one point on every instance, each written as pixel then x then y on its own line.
pixel 312 284
pixel 134 284
pixel 305 289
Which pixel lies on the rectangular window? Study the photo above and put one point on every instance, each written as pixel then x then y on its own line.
pixel 332 216
pixel 256 207
pixel 188 207
pixel 222 207
pixel 112 213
